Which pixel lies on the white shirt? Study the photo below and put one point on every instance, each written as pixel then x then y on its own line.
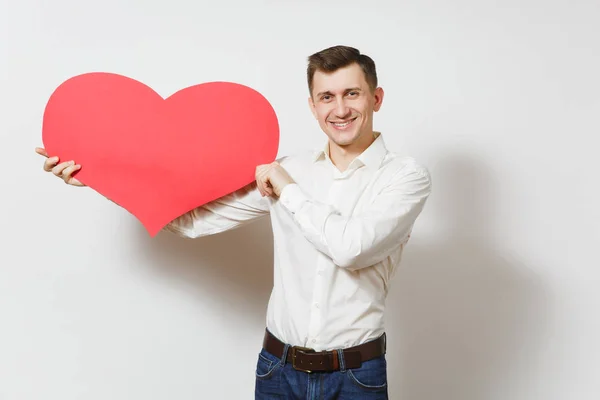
pixel 338 239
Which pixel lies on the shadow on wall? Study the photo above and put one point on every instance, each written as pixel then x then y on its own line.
pixel 232 270
pixel 466 318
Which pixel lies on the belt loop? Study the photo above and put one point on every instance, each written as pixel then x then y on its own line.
pixel 341 359
pixel 285 353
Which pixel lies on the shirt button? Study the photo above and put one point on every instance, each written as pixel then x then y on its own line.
pixel 317 305
pixel 320 272
pixel 314 340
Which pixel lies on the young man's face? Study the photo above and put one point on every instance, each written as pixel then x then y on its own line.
pixel 343 104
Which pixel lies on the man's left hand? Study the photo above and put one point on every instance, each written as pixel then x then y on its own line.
pixel 271 179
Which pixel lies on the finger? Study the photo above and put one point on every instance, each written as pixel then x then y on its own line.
pixel 58 169
pixel 261 173
pixel 41 151
pixel 50 163
pixel 67 172
pixel 267 185
pixel 258 184
pixel 68 178
pixel 261 187
pixel 262 170
pixel 75 182
pixel 266 179
pixel 256 179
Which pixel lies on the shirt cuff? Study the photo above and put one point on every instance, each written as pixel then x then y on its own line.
pixel 292 197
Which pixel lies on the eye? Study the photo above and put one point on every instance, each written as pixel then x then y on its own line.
pixel 326 97
pixel 353 94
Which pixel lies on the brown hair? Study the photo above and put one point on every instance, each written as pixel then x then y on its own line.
pixel 336 57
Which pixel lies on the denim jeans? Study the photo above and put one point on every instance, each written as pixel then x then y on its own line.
pixel 276 379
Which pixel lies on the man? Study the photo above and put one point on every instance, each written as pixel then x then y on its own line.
pixel 341 217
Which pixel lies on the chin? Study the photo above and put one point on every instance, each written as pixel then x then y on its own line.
pixel 343 138
pixel 343 141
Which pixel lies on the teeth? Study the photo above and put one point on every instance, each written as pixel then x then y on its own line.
pixel 341 124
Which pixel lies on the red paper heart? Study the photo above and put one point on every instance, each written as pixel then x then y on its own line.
pixel 159 158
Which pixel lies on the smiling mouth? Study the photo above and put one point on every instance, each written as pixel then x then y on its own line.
pixel 342 125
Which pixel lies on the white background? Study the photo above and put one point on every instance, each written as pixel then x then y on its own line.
pixel 499 293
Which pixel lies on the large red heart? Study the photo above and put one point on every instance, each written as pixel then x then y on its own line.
pixel 159 158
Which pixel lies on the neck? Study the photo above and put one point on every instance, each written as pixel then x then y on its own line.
pixel 342 156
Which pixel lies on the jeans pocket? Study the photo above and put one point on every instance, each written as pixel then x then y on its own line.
pixel 371 376
pixel 265 367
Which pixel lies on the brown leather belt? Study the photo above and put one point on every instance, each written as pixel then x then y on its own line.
pixel 309 360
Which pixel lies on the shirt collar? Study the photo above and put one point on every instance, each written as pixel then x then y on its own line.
pixel 371 157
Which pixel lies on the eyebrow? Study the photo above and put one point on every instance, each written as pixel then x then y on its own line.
pixel 354 89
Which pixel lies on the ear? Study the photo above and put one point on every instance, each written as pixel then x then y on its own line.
pixel 311 105
pixel 378 99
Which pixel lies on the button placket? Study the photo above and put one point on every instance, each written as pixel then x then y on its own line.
pixel 315 321
pixel 315 314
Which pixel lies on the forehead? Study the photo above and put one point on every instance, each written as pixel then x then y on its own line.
pixel 339 80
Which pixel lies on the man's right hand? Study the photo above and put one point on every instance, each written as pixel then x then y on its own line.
pixel 63 170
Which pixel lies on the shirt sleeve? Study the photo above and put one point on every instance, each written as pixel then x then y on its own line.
pixel 364 239
pixel 228 212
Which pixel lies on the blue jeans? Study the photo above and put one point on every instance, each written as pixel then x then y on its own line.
pixel 276 379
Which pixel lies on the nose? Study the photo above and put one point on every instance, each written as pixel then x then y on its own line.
pixel 341 110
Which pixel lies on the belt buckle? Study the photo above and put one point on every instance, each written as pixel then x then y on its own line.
pixel 303 350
